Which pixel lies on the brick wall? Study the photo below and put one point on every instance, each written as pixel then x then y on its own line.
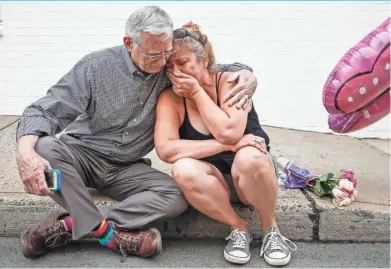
pixel 292 47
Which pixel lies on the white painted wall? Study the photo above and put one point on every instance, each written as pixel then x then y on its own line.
pixel 292 47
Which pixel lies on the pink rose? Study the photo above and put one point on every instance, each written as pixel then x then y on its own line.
pixel 349 174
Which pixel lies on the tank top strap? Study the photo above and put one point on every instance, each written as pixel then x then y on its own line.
pixel 218 78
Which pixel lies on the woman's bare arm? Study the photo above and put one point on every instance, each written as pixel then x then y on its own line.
pixel 168 144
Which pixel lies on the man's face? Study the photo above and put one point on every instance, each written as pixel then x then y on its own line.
pixel 152 53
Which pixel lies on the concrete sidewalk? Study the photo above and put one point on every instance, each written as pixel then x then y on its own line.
pixel 301 215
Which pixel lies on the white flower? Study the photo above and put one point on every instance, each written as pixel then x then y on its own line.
pixel 339 194
pixel 346 184
pixel 344 202
pixel 344 196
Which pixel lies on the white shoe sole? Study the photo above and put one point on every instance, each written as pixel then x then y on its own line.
pixel 236 260
pixel 278 262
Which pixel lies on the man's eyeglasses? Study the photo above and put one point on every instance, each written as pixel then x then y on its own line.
pixel 182 33
pixel 155 57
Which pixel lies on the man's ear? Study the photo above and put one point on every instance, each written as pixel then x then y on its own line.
pixel 128 42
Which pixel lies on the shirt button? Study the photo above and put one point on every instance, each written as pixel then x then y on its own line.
pixel 141 103
pixel 135 120
pixel 126 133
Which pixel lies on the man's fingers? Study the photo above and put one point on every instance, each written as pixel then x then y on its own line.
pixel 237 88
pixel 43 187
pixel 47 165
pixel 234 100
pixel 27 188
pixel 247 105
pixel 233 77
pixel 35 188
pixel 231 94
pixel 242 102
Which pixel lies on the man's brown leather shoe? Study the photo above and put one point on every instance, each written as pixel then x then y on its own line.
pixel 147 243
pixel 47 235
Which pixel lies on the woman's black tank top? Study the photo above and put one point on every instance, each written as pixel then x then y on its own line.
pixel 223 161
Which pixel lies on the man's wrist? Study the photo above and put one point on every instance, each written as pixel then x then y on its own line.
pixel 27 142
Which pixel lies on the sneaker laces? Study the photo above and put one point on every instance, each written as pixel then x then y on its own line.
pixel 238 237
pixel 275 244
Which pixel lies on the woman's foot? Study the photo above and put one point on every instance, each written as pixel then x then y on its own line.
pixel 276 249
pixel 238 248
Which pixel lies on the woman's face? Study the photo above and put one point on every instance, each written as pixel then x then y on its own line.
pixel 186 62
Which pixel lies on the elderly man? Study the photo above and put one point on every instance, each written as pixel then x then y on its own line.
pixel 106 104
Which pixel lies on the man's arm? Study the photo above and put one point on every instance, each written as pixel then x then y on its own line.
pixel 63 103
pixel 246 84
pixel 234 67
pixel 49 115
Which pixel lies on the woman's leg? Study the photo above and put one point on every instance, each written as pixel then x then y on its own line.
pixel 207 191
pixel 255 180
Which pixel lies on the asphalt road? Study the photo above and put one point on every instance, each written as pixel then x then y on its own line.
pixel 197 253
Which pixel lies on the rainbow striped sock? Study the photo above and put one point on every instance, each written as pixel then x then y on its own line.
pixel 67 222
pixel 106 234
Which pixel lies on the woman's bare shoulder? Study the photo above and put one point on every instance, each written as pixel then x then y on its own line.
pixel 169 96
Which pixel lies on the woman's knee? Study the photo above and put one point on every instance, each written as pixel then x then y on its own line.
pixel 193 176
pixel 184 171
pixel 251 161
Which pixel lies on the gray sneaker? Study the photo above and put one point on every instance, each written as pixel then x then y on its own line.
pixel 276 249
pixel 238 248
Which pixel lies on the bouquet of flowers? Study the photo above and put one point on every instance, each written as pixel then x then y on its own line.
pixel 342 188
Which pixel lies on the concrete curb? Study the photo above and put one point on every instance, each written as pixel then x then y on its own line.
pixel 294 214
pixel 299 219
pixel 358 222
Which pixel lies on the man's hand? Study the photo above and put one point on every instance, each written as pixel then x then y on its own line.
pixel 251 140
pixel 184 85
pixel 31 167
pixel 243 91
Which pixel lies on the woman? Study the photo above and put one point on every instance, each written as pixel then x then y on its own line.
pixel 218 152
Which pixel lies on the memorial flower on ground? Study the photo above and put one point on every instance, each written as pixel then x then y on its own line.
pixel 341 189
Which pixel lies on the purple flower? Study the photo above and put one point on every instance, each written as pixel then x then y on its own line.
pixel 349 174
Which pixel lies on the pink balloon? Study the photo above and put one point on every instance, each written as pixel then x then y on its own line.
pixel 359 82
pixel 350 122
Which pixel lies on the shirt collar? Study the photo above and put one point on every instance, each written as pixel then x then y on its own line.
pixel 132 66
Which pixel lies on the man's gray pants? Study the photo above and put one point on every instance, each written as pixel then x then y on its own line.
pixel 144 194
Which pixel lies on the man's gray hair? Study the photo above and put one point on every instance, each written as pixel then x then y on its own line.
pixel 149 19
